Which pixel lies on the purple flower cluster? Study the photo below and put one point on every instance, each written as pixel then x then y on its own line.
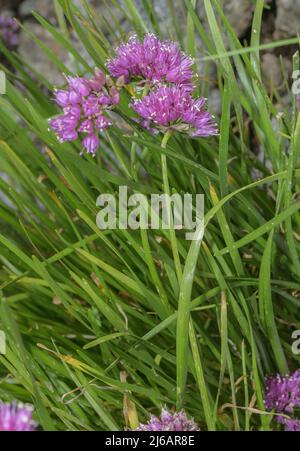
pixel 152 61
pixel 165 104
pixel 167 421
pixel 16 417
pixel 164 69
pixel 9 31
pixel 85 103
pixel 173 108
pixel 283 395
pixel 290 424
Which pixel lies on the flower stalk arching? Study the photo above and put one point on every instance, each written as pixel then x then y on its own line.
pixel 166 187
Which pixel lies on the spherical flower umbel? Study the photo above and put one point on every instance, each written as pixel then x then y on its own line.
pixel 16 417
pixel 152 61
pixel 165 104
pixel 290 424
pixel 174 109
pixel 283 396
pixel 283 392
pixel 9 32
pixel 85 104
pixel 168 421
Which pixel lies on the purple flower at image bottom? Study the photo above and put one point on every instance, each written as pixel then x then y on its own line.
pixel 152 61
pixel 290 424
pixel 174 109
pixel 283 396
pixel 16 417
pixel 168 421
pixel 283 392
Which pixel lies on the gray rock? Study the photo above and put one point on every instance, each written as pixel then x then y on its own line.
pixel 271 70
pixel 214 102
pixel 44 8
pixel 9 4
pixel 239 13
pixel 36 57
pixel 287 22
pixel 6 13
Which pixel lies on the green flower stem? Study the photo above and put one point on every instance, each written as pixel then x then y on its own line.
pixel 133 160
pixel 166 186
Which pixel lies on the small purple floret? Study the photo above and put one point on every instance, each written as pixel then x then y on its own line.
pixel 84 103
pixel 283 396
pixel 167 421
pixel 173 108
pixel 283 392
pixel 290 424
pixel 16 417
pixel 152 61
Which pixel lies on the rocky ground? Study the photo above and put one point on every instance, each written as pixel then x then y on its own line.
pixel 281 20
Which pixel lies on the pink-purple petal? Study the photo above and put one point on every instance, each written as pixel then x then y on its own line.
pixel 16 417
pixel 168 421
